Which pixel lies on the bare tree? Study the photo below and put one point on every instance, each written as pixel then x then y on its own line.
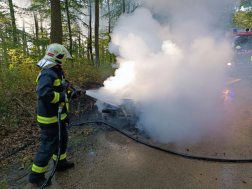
pixel 56 23
pixel 42 34
pixel 123 6
pixel 69 27
pixel 36 34
pixel 97 58
pixel 90 49
pixel 24 40
pixel 109 28
pixel 13 21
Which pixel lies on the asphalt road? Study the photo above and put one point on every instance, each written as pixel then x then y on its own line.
pixel 106 159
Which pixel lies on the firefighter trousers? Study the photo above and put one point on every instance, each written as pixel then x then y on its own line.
pixel 49 147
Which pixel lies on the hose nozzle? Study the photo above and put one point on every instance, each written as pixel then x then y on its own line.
pixel 65 83
pixel 61 105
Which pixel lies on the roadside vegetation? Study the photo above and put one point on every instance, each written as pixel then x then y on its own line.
pixel 243 15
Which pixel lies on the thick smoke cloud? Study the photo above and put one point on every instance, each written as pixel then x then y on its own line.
pixel 174 70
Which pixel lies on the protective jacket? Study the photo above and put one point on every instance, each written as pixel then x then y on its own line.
pixel 50 93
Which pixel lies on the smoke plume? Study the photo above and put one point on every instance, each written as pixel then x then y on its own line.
pixel 172 57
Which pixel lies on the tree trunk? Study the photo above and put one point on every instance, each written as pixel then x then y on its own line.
pixel 128 10
pixel 97 58
pixel 123 6
pixel 56 23
pixel 83 49
pixel 5 48
pixel 102 54
pixel 13 22
pixel 76 48
pixel 79 45
pixel 24 40
pixel 109 29
pixel 36 35
pixel 42 35
pixel 2 61
pixel 134 7
pixel 69 28
pixel 90 49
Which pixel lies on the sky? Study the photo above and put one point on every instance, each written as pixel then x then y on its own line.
pixel 21 18
pixel 23 3
pixel 29 20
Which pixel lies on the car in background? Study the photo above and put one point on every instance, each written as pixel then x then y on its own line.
pixel 242 45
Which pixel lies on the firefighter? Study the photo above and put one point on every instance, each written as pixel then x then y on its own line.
pixel 50 93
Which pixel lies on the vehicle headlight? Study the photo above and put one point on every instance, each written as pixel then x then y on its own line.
pixel 229 64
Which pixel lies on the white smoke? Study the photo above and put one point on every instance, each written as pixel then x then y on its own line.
pixel 174 73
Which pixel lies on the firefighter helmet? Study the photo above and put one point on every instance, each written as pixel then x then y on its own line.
pixel 57 53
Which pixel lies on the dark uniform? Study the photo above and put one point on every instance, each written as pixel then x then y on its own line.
pixel 50 93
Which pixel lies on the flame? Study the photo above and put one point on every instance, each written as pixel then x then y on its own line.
pixel 227 95
pixel 225 92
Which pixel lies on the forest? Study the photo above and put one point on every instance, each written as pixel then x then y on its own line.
pixel 73 23
pixel 84 27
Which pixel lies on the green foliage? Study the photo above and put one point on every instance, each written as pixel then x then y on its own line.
pixel 81 71
pixel 242 19
pixel 239 19
pixel 21 72
pixel 18 70
pixel 246 3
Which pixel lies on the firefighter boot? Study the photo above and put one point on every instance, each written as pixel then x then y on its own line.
pixel 38 179
pixel 64 164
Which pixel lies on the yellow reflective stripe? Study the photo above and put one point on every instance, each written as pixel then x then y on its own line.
pixel 38 77
pixel 56 97
pixel 63 116
pixel 57 82
pixel 62 156
pixel 67 107
pixel 49 120
pixel 38 169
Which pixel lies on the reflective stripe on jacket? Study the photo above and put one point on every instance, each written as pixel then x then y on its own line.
pixel 50 93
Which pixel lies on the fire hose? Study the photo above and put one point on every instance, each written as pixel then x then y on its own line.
pixel 58 155
pixel 166 150
pixel 144 143
pixel 66 85
pixel 140 141
pixel 129 136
